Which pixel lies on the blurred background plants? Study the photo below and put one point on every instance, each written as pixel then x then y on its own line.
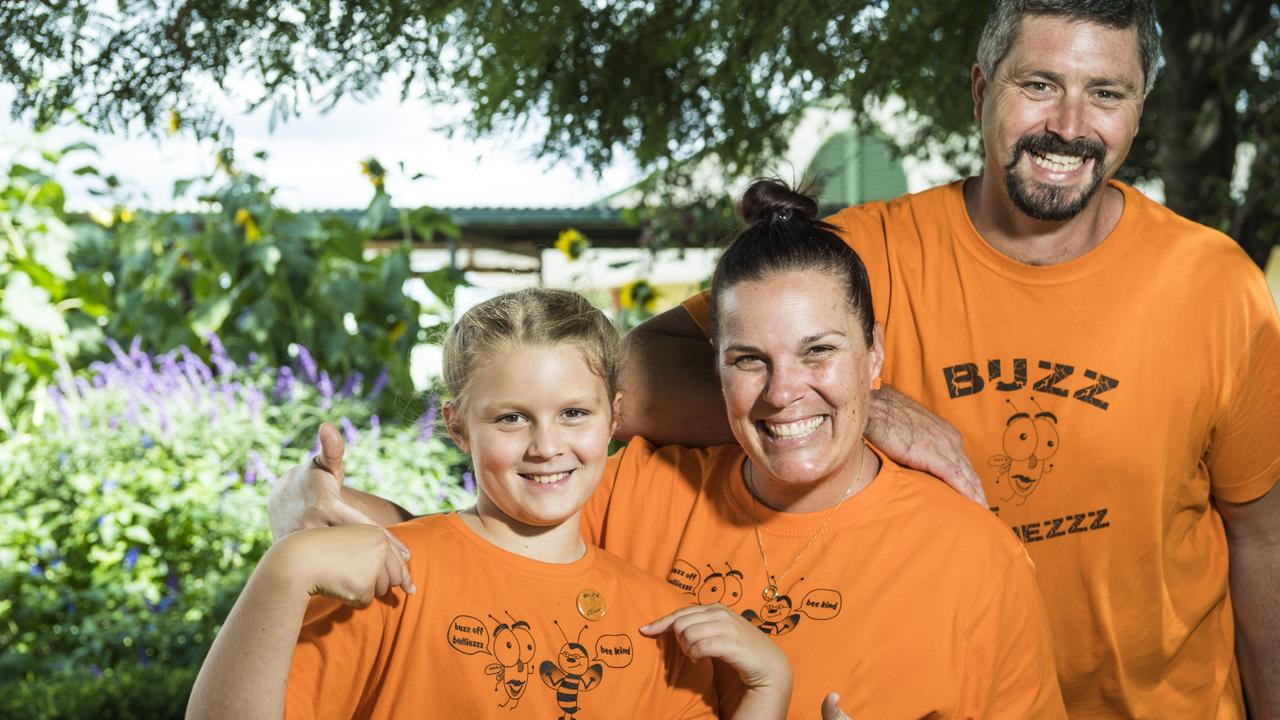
pixel 135 479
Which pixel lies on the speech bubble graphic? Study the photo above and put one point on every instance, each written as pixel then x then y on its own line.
pixel 821 604
pixel 684 576
pixel 468 635
pixel 614 650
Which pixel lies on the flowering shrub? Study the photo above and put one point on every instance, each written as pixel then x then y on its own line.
pixel 132 522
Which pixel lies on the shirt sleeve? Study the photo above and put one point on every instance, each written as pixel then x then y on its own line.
pixel 691 689
pixel 1009 669
pixel 620 470
pixel 1244 445
pixel 335 660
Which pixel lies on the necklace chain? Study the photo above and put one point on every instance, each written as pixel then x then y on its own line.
pixel 770 592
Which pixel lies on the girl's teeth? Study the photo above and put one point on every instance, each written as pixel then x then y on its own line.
pixel 548 479
pixel 799 428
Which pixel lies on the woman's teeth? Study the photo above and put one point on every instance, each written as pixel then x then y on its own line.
pixel 796 429
pixel 546 479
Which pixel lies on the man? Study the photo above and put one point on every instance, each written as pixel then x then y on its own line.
pixel 1113 368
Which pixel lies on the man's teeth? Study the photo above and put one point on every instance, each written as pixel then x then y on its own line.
pixel 1054 161
pixel 547 479
pixel 799 428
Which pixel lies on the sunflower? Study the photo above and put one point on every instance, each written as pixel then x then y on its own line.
pixel 572 243
pixel 252 233
pixel 638 294
pixel 373 170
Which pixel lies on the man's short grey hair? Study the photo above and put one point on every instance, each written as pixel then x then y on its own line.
pixel 1006 17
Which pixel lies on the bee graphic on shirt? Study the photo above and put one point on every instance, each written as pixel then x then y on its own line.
pixel 513 648
pixel 1029 441
pixel 571 674
pixel 724 588
pixel 776 616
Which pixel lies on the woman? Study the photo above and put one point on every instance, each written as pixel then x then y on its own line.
pixel 878 582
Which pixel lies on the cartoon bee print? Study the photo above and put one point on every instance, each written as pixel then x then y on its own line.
pixel 724 588
pixel 1029 441
pixel 570 674
pixel 513 648
pixel 775 616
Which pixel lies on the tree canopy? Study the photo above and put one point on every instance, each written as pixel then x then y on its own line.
pixel 661 81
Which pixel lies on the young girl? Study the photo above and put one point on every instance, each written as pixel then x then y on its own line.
pixel 516 615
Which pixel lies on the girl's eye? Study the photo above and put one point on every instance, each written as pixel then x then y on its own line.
pixel 575 413
pixel 510 418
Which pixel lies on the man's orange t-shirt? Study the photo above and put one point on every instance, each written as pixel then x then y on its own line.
pixel 1106 402
pixel 493 634
pixel 910 601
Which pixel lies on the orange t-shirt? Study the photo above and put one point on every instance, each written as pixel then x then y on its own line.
pixel 493 634
pixel 910 601
pixel 1106 402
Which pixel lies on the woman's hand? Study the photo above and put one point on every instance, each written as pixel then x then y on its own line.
pixel 716 632
pixel 352 563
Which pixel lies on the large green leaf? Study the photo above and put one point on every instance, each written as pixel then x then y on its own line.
pixel 31 307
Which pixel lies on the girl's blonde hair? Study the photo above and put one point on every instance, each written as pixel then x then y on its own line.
pixel 535 316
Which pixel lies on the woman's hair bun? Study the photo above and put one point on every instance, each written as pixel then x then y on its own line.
pixel 770 198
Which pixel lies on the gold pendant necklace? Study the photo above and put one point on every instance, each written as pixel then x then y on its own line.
pixel 770 592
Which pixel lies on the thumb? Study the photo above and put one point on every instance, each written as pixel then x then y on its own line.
pixel 341 513
pixel 331 449
pixel 831 708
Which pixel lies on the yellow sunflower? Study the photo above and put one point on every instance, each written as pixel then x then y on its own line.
pixel 572 243
pixel 638 294
pixel 252 233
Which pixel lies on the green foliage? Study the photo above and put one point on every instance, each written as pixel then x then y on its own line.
pixel 261 277
pixel 155 693
pixel 132 523
pixel 46 314
pixel 660 81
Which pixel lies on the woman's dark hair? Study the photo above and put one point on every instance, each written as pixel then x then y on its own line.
pixel 784 233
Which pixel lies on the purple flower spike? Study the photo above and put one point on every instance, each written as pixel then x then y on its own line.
pixel 379 383
pixel 284 384
pixel 349 387
pixel 250 474
pixel 427 423
pixel 307 363
pixel 131 558
pixel 326 390
pixel 348 430
pixel 218 354
pixel 468 482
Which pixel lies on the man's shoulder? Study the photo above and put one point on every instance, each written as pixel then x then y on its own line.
pixel 1181 236
pixel 951 519
pixel 908 205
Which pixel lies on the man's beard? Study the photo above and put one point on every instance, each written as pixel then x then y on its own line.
pixel 1052 202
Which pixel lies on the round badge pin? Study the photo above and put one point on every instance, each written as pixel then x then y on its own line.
pixel 591 605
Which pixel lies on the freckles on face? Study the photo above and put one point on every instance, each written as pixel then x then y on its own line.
pixel 795 372
pixel 537 423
